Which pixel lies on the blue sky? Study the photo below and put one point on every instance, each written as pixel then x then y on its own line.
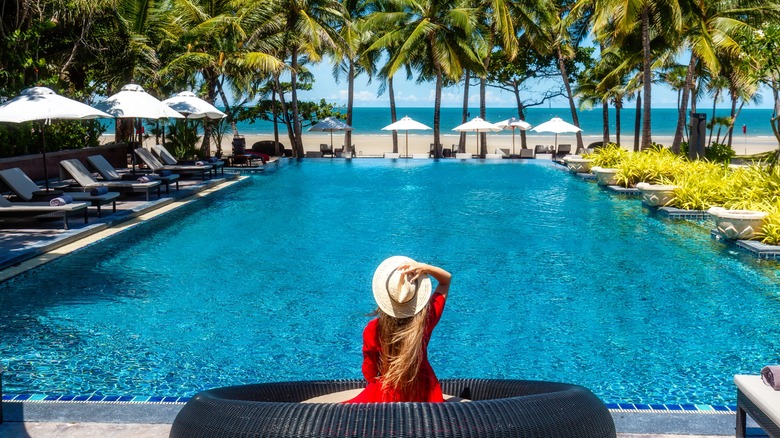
pixel 411 94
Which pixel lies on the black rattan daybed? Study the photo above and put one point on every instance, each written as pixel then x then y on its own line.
pixel 499 408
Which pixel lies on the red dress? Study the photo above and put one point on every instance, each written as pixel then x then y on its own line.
pixel 429 389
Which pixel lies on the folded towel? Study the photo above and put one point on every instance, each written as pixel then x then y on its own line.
pixel 768 374
pixel 97 191
pixel 164 173
pixel 199 163
pixel 61 200
pixel 213 159
pixel 146 178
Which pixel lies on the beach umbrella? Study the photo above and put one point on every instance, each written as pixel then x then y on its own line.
pixel 330 124
pixel 477 125
pixel 514 123
pixel 132 102
pixel 405 124
pixel 44 105
pixel 557 126
pixel 193 107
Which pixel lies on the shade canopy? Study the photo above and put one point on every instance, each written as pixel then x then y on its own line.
pixel 41 103
pixel 405 124
pixel 477 125
pixel 193 107
pixel 514 123
pixel 556 125
pixel 330 124
pixel 133 102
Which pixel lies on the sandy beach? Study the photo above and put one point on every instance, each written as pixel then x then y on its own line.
pixel 376 145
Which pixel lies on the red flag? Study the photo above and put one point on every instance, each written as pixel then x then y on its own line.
pixel 744 129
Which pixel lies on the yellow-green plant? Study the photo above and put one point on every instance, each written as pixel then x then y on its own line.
pixel 700 185
pixel 651 166
pixel 755 187
pixel 608 156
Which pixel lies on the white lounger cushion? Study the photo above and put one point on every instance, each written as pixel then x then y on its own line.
pixel 494 156
pixel 763 396
pixel 391 155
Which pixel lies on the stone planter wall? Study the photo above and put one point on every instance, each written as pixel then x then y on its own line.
pixel 32 165
pixel 605 177
pixel 737 224
pixel 656 195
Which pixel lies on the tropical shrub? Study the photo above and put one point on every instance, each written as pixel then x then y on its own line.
pixel 653 166
pixel 770 232
pixel 718 152
pixel 700 185
pixel 607 156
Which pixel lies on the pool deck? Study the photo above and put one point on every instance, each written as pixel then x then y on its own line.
pixel 25 245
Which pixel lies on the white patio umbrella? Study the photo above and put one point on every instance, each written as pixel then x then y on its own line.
pixel 514 123
pixel 44 105
pixel 406 124
pixel 558 126
pixel 477 125
pixel 330 124
pixel 193 107
pixel 132 102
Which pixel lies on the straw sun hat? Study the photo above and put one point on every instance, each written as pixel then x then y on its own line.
pixel 396 296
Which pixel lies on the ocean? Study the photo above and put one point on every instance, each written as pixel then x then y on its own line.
pixel 664 120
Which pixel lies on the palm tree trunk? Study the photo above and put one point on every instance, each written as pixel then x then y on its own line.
pixel 286 116
pixel 605 120
pixel 712 121
pixel 520 115
pixel 347 151
pixel 296 122
pixel 465 113
pixel 570 96
pixel 275 113
pixel 733 115
pixel 647 78
pixel 483 114
pixel 393 114
pixel 437 115
pixel 683 108
pixel 637 120
pixel 618 108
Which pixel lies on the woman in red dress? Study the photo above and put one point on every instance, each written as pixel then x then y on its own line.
pixel 395 343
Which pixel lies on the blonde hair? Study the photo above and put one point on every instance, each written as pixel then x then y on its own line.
pixel 401 342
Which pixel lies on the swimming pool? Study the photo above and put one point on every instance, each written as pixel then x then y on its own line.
pixel 554 279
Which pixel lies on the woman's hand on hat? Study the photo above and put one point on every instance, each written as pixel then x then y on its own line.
pixel 412 270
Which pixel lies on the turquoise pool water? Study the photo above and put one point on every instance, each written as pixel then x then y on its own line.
pixel 554 279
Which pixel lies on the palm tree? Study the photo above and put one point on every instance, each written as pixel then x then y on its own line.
pixel 433 37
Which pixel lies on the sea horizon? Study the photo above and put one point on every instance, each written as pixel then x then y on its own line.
pixel 371 120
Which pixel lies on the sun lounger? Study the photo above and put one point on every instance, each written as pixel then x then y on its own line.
pixel 527 153
pixel 26 189
pixel 760 401
pixel 313 154
pixel 27 209
pixel 418 156
pixel 391 155
pixel 168 159
pixel 326 149
pixel 156 165
pixel 109 173
pixel 563 150
pixel 73 169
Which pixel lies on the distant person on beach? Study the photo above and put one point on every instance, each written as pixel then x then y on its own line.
pixel 395 343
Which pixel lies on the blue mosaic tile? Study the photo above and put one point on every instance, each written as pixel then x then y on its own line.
pixel 95 398
pixel 626 406
pixel 642 407
pixel 51 398
pixel 22 397
pixel 612 406
pixel 721 408
pixel 141 399
pixel 36 397
pixel 674 407
pixel 81 398
pixel 125 398
pixel 67 397
pixel 170 399
pixel 8 397
pixel 658 407
pixel 705 408
pixel 688 407
pixel 732 408
pixel 154 399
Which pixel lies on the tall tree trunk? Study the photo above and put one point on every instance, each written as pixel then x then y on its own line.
pixel 286 117
pixel 647 139
pixel 637 120
pixel 483 115
pixel 347 151
pixel 618 109
pixel 275 113
pixel 683 108
pixel 296 121
pixel 520 114
pixel 437 114
pixel 393 113
pixel 465 113
pixel 733 114
pixel 605 120
pixel 570 96
pixel 712 121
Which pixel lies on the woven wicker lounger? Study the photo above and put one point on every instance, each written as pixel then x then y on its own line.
pixel 505 408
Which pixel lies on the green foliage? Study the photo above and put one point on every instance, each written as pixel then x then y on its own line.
pixel 770 232
pixel 608 156
pixel 25 138
pixel 700 185
pixel 182 140
pixel 653 165
pixel 308 112
pixel 719 152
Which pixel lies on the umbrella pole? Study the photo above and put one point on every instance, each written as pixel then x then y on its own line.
pixel 45 167
pixel 331 140
pixel 407 143
pixel 513 140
